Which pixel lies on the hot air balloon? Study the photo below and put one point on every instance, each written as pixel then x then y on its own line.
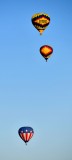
pixel 26 133
pixel 46 51
pixel 40 21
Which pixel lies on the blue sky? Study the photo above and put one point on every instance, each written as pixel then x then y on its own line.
pixel 33 92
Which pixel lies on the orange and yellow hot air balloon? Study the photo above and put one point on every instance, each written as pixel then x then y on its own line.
pixel 40 21
pixel 46 51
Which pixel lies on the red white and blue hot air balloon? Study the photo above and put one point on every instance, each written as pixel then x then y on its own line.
pixel 26 133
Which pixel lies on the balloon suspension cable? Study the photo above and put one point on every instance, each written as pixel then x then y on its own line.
pixel 26 143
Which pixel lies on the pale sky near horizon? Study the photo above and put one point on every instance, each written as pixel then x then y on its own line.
pixel 33 92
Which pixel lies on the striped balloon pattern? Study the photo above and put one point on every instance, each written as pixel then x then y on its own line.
pixel 26 133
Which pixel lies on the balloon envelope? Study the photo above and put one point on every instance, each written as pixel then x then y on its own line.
pixel 26 133
pixel 46 51
pixel 40 21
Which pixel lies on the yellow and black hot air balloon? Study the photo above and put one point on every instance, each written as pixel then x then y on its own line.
pixel 46 51
pixel 40 21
